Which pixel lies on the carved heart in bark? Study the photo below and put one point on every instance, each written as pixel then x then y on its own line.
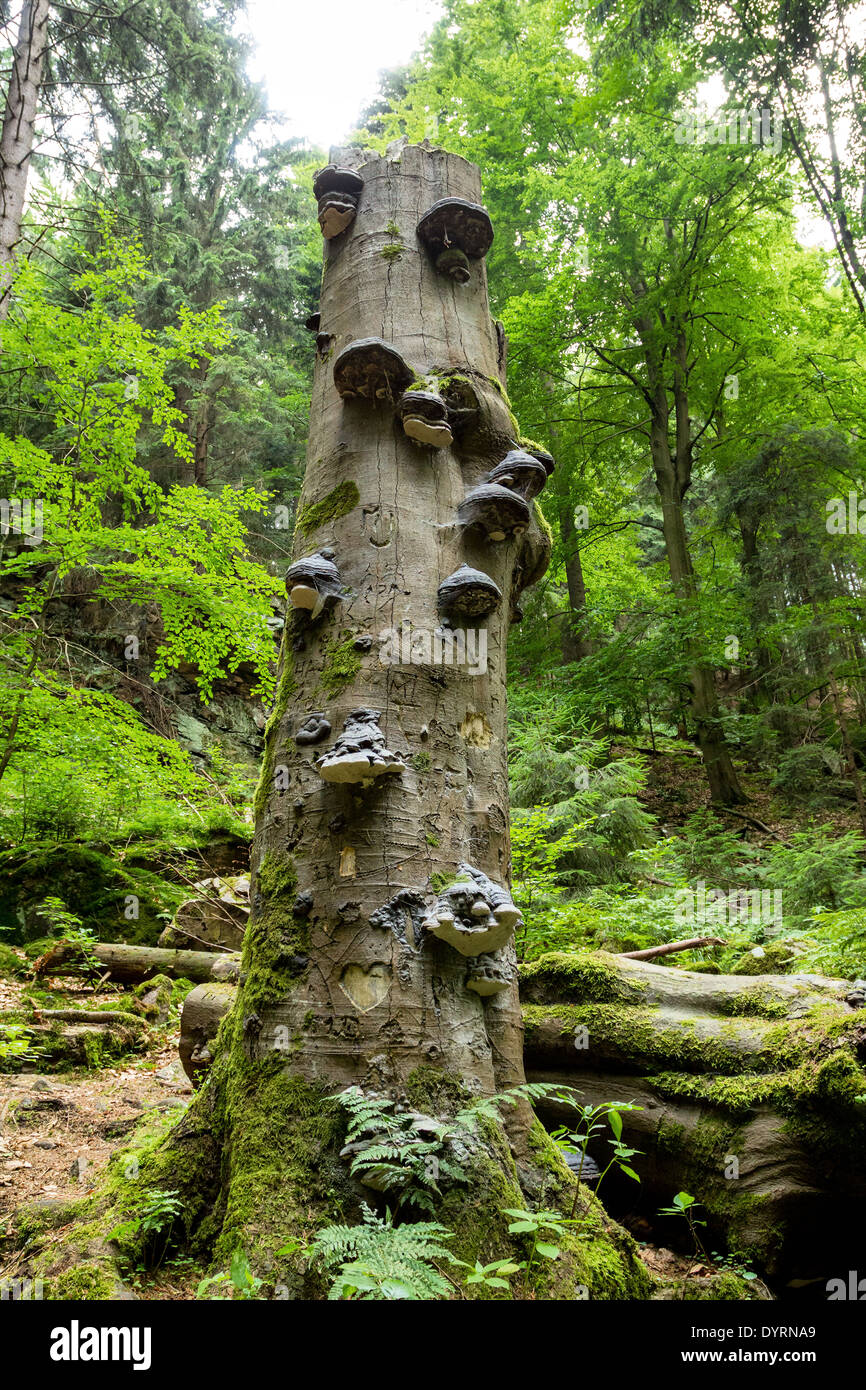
pixel 366 988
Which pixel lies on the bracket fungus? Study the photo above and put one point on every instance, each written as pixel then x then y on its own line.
pixel 425 419
pixel 520 472
pixel 313 729
pixel 469 593
pixel 489 975
pixel 371 369
pixel 474 915
pixel 495 510
pixel 456 232
pixel 546 460
pixel 337 191
pixel 359 754
pixel 314 582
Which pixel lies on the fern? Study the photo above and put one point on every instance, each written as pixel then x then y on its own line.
pixel 399 1152
pixel 378 1260
pixel 486 1107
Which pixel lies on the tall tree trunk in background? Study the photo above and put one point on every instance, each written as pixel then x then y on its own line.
pixel 16 139
pixel 575 643
pixel 751 567
pixel 673 470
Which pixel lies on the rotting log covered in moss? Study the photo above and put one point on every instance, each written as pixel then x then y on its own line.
pixel 747 1085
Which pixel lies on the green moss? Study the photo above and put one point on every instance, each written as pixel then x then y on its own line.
pixel 532 446
pixel 421 762
pixel 759 1002
pixel 722 1287
pixel 542 521
pixel 392 252
pixel 94 886
pixel 284 1172
pixel 439 881
pixel 435 1092
pixel 286 688
pixel 577 977
pixel 277 940
pixel 277 877
pixel 598 1256
pixel 339 502
pixel 10 963
pixel 777 959
pixel 342 664
pixel 179 1153
pixel 629 1034
pixel 88 1283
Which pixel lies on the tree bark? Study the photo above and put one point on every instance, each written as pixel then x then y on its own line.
pixel 368 858
pixel 16 138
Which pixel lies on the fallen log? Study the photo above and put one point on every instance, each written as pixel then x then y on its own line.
pixel 83 1044
pixel 747 1088
pixel 132 964
pixel 104 1017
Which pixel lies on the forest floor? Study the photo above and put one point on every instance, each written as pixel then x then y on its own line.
pixel 59 1129
pixel 676 789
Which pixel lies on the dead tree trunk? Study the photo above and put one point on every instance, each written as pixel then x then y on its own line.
pixel 16 139
pixel 386 760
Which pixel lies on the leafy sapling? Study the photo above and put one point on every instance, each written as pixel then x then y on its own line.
pixel 593 1119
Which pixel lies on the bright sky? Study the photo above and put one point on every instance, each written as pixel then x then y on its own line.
pixel 320 59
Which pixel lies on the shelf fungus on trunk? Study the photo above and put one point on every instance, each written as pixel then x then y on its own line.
pixel 372 370
pixel 360 753
pixel 495 510
pixel 314 729
pixel 469 593
pixel 314 582
pixel 546 460
pixel 425 419
pixel 521 472
pixel 337 191
pixel 456 232
pixel 474 915
pixel 490 974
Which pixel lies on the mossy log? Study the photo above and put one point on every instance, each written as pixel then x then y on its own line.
pixel 748 1088
pixel 89 1045
pixel 132 964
